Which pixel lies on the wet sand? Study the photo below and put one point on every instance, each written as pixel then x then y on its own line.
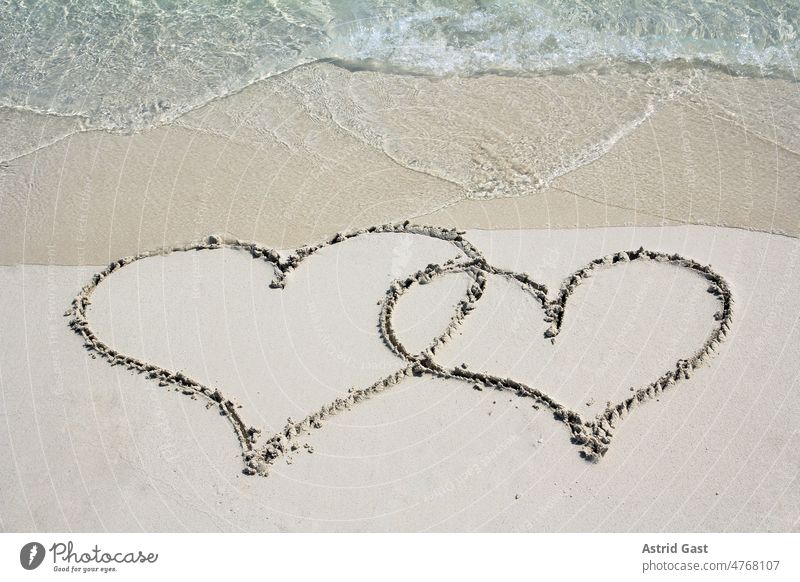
pixel 320 149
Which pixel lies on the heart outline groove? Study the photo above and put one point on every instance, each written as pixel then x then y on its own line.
pixel 593 436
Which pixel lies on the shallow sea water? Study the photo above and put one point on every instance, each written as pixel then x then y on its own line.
pixel 125 65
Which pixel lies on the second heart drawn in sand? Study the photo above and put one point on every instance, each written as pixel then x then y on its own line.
pixel 594 435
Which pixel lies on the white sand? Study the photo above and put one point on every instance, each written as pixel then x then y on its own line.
pixel 91 447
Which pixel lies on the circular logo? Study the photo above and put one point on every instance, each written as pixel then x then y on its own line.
pixel 31 555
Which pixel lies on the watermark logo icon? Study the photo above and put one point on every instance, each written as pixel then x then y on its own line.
pixel 31 555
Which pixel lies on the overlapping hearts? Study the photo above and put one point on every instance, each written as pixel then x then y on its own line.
pixel 593 435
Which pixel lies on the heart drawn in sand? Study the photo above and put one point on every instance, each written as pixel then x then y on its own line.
pixel 594 435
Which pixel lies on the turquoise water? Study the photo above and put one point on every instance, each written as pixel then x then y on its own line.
pixel 129 64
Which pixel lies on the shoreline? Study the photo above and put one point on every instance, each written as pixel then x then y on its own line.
pixel 318 150
pixel 678 65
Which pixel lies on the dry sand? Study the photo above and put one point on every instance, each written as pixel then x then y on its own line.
pixel 92 446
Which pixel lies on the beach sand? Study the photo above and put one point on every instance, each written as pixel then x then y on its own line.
pixel 320 149
pixel 544 174
pixel 97 447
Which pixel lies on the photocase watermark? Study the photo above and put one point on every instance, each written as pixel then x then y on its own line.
pixel 67 559
pixel 31 555
pixel 479 466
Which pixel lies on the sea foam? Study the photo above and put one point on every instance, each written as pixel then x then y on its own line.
pixel 125 65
